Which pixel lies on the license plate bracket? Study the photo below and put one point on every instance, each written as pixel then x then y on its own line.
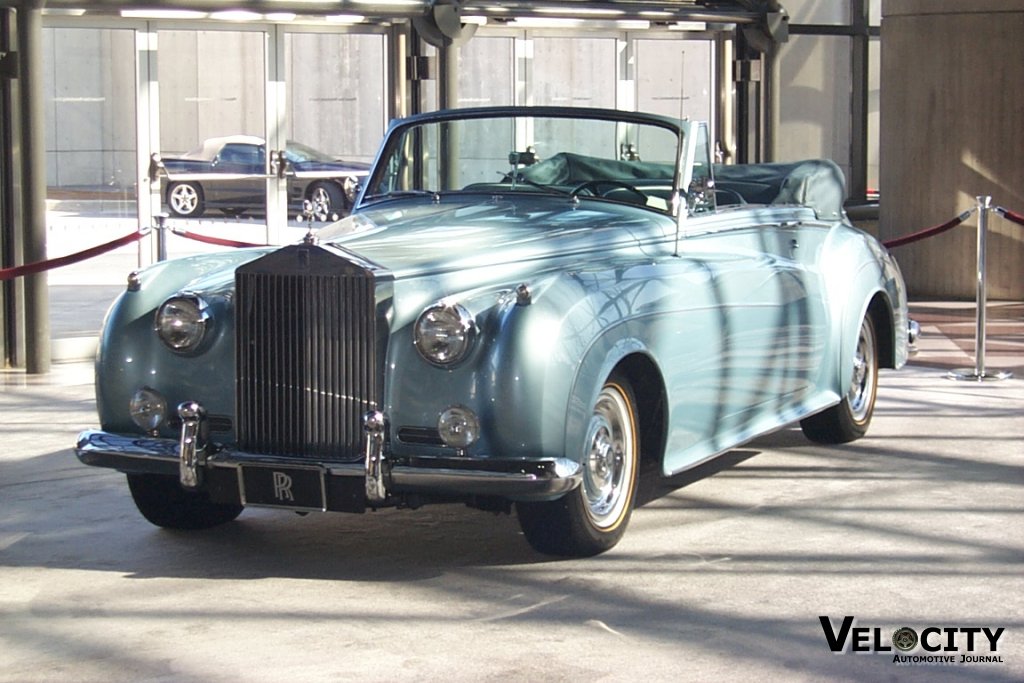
pixel 294 488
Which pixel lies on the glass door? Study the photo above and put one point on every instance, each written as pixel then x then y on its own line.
pixel 335 113
pixel 91 172
pixel 215 160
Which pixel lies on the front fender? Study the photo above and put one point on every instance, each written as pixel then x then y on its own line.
pixel 131 355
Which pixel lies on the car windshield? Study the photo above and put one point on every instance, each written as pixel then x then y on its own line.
pixel 620 159
pixel 298 153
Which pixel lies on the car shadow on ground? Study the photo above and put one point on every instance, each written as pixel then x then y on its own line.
pixel 63 515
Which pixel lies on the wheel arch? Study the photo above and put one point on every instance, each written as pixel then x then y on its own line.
pixel 881 312
pixel 648 386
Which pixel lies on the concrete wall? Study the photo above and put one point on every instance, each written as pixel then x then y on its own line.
pixel 951 129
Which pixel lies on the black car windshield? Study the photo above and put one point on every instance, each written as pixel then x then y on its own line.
pixel 626 160
pixel 299 153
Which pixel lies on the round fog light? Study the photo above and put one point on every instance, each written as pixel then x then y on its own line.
pixel 148 409
pixel 459 427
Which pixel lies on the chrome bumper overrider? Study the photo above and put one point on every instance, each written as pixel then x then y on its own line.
pixel 191 456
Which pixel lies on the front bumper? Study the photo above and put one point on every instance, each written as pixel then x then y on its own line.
pixel 377 481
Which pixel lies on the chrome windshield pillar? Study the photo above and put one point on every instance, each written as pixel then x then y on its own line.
pixel 373 433
pixel 192 444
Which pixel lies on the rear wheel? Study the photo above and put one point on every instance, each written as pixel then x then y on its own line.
pixel 592 518
pixel 850 419
pixel 163 501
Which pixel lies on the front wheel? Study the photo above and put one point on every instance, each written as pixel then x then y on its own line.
pixel 185 200
pixel 163 502
pixel 328 201
pixel 849 420
pixel 592 518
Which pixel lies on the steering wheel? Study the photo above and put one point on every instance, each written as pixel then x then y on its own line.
pixel 594 187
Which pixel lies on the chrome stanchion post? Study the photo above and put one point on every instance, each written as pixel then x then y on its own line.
pixel 979 374
pixel 161 236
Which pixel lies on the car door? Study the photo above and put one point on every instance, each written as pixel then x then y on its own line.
pixel 244 184
pixel 754 323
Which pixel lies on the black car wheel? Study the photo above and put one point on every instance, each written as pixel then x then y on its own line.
pixel 185 199
pixel 163 501
pixel 592 518
pixel 850 419
pixel 328 201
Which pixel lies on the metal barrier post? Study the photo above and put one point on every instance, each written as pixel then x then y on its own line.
pixel 161 236
pixel 979 373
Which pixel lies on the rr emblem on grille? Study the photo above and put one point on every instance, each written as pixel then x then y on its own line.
pixel 283 487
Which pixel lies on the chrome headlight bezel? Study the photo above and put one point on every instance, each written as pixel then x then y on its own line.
pixel 182 323
pixel 444 334
pixel 350 186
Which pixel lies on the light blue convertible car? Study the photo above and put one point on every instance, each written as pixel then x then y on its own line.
pixel 526 309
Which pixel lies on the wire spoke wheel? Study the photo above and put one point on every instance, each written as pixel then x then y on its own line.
pixel 608 470
pixel 593 517
pixel 850 419
pixel 864 381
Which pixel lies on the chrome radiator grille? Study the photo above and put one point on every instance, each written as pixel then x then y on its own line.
pixel 306 354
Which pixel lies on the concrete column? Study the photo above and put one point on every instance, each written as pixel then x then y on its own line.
pixel 33 178
pixel 950 131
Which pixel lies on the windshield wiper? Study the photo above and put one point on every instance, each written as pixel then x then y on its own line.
pixel 398 194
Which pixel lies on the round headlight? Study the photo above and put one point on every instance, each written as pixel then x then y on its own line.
pixel 459 427
pixel 444 333
pixel 148 409
pixel 351 187
pixel 181 322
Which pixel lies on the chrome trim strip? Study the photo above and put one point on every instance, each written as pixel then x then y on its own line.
pixel 373 433
pixel 520 478
pixel 478 482
pixel 192 445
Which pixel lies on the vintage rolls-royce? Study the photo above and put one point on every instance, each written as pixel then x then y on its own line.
pixel 525 307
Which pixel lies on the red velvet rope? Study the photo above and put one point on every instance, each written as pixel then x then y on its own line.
pixel 214 240
pixel 929 232
pixel 40 266
pixel 1011 216
pixel 32 268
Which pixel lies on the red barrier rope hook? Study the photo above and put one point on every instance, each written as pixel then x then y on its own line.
pixel 1011 216
pixel 40 266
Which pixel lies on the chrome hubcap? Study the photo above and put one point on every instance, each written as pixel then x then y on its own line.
pixel 608 472
pixel 862 385
pixel 321 204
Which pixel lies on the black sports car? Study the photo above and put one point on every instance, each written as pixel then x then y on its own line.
pixel 229 173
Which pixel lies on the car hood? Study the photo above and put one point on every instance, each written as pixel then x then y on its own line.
pixel 416 236
pixel 335 165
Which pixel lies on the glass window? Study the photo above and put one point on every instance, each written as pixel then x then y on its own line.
pixel 336 89
pixel 874 98
pixel 814 101
pixel 574 72
pixel 674 77
pixel 90 119
pixel 485 72
pixel 818 11
pixel 211 84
